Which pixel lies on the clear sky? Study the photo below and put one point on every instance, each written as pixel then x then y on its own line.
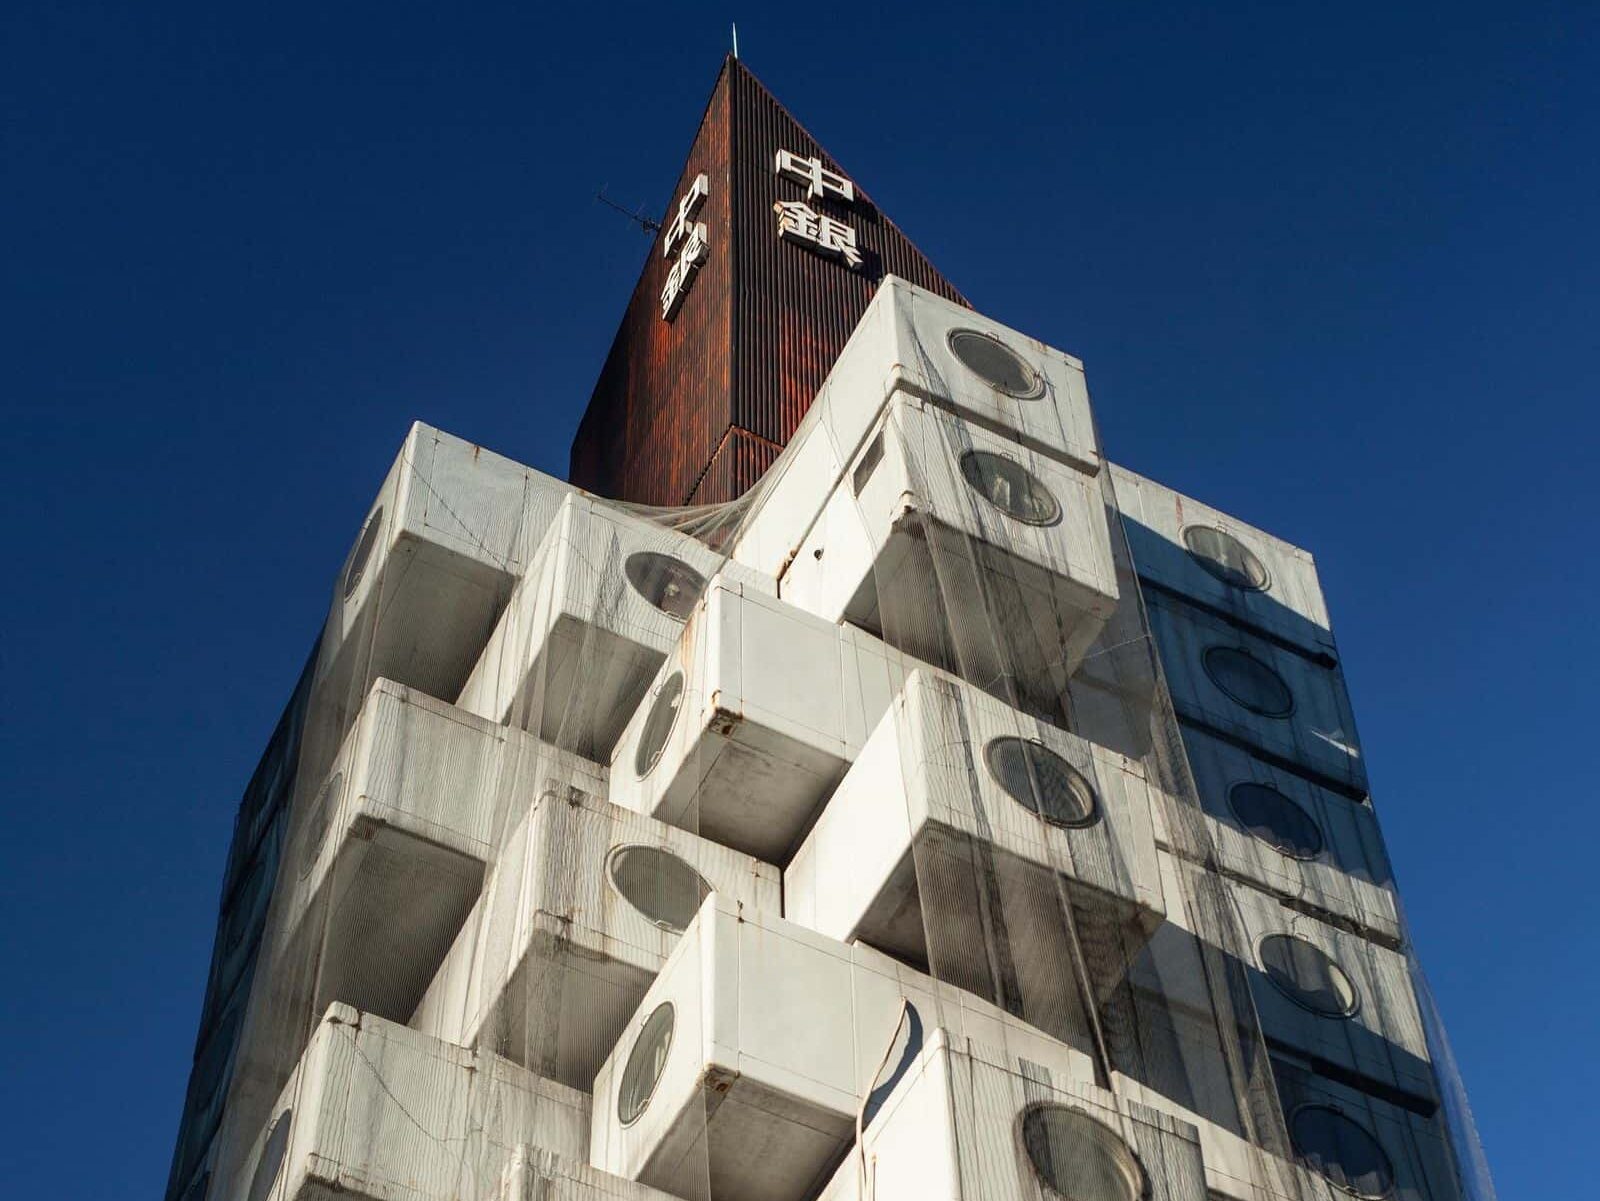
pixel 1333 269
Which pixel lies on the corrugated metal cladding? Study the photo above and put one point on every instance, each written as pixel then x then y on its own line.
pixel 694 410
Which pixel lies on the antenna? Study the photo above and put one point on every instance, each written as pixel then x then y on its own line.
pixel 735 26
pixel 644 221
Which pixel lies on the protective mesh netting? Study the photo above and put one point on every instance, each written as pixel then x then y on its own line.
pixel 840 841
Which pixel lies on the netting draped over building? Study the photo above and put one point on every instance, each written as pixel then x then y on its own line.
pixel 953 814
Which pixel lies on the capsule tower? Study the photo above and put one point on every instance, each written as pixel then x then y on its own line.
pixel 850 786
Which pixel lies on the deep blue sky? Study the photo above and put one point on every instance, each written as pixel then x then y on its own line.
pixel 1334 270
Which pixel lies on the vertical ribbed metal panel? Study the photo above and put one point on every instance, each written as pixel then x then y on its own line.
pixel 661 405
pixel 695 409
pixel 794 309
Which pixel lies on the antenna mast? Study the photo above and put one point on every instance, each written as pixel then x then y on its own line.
pixel 644 221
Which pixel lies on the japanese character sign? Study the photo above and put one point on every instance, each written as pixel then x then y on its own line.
pixel 799 222
pixel 685 238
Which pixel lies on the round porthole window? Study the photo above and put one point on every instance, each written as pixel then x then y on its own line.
pixel 271 1161
pixel 1041 781
pixel 319 821
pixel 1078 1158
pixel 1342 1150
pixel 1304 974
pixel 669 584
pixel 659 885
pixel 658 725
pixel 1225 557
pixel 903 1053
pixel 996 364
pixel 1010 487
pixel 1275 820
pixel 646 1062
pixel 357 567
pixel 1248 681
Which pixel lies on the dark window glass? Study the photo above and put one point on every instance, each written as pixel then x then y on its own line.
pixel 271 1161
pixel 659 885
pixel 646 1062
pixel 669 584
pixel 1308 977
pixel 359 557
pixel 1225 557
pixel 1078 1158
pixel 1342 1150
pixel 1275 819
pixel 1009 487
pixel 1042 781
pixel 996 364
pixel 1249 681
pixel 658 725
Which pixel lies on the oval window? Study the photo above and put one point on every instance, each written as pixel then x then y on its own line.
pixel 1041 781
pixel 1009 487
pixel 357 567
pixel 996 364
pixel 1275 819
pixel 646 1062
pixel 1225 557
pixel 658 725
pixel 1078 1158
pixel 271 1161
pixel 669 584
pixel 1303 973
pixel 1342 1150
pixel 1248 681
pixel 659 885
pixel 319 820
pixel 903 1053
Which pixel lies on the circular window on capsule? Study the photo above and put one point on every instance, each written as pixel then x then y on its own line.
pixel 658 884
pixel 1275 819
pixel 1303 973
pixel 1226 558
pixel 1041 781
pixel 646 1062
pixel 1342 1150
pixel 658 725
pixel 1248 681
pixel 1078 1158
pixel 271 1161
pixel 357 567
pixel 996 364
pixel 668 583
pixel 1010 487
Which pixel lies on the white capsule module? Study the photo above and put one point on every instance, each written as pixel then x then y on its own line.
pixel 1346 1141
pixel 451 532
pixel 535 1174
pixel 584 904
pixel 742 1073
pixel 1011 858
pixel 1285 835
pixel 374 1110
pixel 603 602
pixel 393 849
pixel 1218 561
pixel 967 1124
pixel 912 342
pixel 1336 998
pixel 1257 691
pixel 752 720
pixel 963 549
